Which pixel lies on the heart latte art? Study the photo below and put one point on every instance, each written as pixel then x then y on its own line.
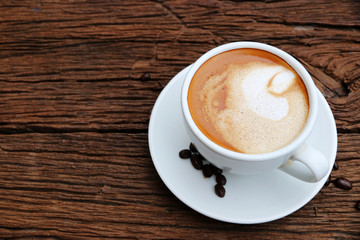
pixel 251 105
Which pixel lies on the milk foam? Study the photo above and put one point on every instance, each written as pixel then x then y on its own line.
pixel 258 98
pixel 262 111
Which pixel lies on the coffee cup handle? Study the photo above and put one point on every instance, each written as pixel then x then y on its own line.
pixel 307 164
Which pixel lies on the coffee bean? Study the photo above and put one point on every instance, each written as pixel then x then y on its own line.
pixel 343 183
pixel 220 190
pixel 196 161
pixel 220 179
pixel 207 170
pixel 336 165
pixel 328 181
pixel 193 148
pixel 185 153
pixel 357 205
pixel 145 77
pixel 196 156
pixel 215 170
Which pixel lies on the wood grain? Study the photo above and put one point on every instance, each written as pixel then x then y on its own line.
pixel 74 112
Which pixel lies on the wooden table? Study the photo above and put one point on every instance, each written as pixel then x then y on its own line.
pixel 74 155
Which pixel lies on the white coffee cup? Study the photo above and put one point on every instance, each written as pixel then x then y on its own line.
pixel 297 158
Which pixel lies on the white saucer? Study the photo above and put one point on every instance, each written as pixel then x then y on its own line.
pixel 248 199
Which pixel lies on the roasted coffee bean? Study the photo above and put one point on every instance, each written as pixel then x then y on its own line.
pixel 196 161
pixel 215 170
pixel 328 181
pixel 343 183
pixel 357 205
pixel 185 153
pixel 207 171
pixel 193 148
pixel 196 156
pixel 145 77
pixel 336 165
pixel 220 190
pixel 220 179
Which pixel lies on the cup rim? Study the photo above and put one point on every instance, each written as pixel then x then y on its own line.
pixel 295 64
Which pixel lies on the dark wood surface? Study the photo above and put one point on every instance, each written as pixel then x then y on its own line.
pixel 74 112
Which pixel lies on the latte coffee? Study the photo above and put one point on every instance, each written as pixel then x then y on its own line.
pixel 248 101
